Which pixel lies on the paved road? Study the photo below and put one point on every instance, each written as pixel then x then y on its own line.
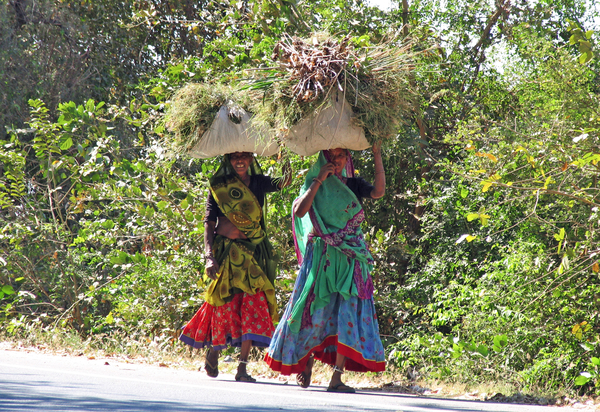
pixel 31 381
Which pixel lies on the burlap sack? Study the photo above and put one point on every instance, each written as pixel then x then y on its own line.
pixel 225 136
pixel 330 128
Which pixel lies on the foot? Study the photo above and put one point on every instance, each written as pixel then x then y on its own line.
pixel 211 363
pixel 340 388
pixel 304 377
pixel 244 377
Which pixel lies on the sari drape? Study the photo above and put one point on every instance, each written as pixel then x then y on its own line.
pixel 240 304
pixel 331 309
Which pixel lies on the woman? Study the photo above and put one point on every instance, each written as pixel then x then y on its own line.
pixel 240 305
pixel 331 314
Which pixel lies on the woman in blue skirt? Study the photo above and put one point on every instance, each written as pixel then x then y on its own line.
pixel 331 314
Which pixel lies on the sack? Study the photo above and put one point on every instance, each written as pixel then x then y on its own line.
pixel 226 136
pixel 328 128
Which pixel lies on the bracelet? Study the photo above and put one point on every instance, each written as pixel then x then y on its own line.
pixel 316 179
pixel 339 370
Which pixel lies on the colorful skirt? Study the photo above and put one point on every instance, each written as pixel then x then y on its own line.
pixel 345 326
pixel 245 317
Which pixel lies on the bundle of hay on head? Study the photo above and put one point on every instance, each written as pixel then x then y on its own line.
pixel 208 120
pixel 328 93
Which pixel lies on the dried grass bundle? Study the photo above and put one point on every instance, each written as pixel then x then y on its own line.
pixel 193 109
pixel 374 80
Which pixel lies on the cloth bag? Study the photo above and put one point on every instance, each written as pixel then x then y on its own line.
pixel 225 136
pixel 328 128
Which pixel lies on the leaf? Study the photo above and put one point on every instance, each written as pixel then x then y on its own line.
pixel 483 350
pixel 8 290
pixel 500 341
pixel 109 319
pixel 471 238
pixel 108 224
pixel 486 185
pixel 488 155
pixel 560 235
pixel 66 145
pixel 579 329
pixel 565 264
pixel 573 39
pixel 456 351
pixel 596 267
pixel 484 219
pixel 585 57
pixel 161 205
pixel 582 379
pixel 472 216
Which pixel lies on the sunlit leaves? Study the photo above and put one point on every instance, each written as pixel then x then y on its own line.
pixel 583 40
pixel 580 329
pixel 489 182
pixel 560 236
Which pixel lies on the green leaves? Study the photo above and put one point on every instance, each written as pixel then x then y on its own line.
pixel 583 41
pixel 585 377
pixel 6 290
pixel 482 216
pixel 560 236
pixel 500 343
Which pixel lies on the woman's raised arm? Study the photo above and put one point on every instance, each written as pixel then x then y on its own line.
pixel 379 189
pixel 305 201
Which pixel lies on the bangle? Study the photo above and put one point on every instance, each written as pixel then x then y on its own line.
pixel 316 179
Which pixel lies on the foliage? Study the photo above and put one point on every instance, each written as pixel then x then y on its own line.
pixel 486 241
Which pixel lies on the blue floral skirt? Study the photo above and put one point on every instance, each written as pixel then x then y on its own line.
pixel 345 326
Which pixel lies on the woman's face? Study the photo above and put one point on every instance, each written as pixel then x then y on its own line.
pixel 338 157
pixel 241 162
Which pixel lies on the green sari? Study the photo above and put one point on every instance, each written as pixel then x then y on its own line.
pixel 341 255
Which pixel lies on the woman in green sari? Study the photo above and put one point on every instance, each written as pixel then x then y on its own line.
pixel 331 313
pixel 240 305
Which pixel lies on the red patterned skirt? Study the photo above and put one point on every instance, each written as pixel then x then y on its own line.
pixel 246 317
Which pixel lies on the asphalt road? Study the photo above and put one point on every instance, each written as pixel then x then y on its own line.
pixel 32 381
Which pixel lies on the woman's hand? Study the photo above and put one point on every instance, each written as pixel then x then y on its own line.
pixel 212 267
pixel 326 170
pixel 377 148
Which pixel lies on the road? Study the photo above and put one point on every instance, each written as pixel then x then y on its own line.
pixel 32 381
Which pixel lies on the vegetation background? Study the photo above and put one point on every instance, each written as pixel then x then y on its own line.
pixel 486 242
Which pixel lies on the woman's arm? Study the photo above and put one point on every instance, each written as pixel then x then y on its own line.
pixel 212 267
pixel 305 201
pixel 379 189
